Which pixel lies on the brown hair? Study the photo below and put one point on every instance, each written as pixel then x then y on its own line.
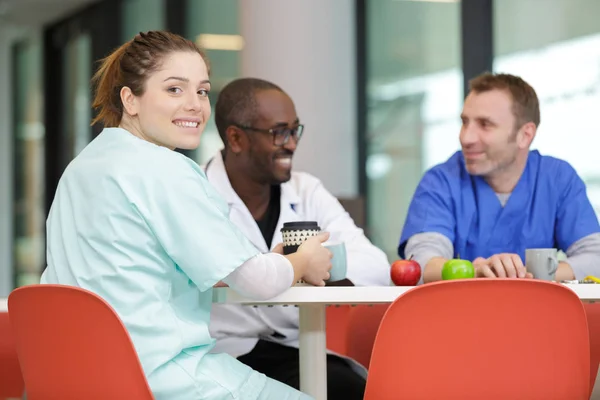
pixel 131 65
pixel 526 107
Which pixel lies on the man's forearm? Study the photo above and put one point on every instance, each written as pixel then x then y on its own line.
pixel 564 272
pixel 430 250
pixel 583 259
pixel 433 269
pixel 367 264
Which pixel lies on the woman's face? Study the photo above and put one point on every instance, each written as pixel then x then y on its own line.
pixel 173 110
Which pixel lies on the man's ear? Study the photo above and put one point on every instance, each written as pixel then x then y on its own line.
pixel 130 101
pixel 527 135
pixel 236 139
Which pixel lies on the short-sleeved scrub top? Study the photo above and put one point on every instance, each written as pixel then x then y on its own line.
pixel 140 225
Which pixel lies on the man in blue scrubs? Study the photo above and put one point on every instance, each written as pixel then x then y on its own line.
pixel 496 198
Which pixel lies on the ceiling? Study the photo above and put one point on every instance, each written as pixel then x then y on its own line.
pixel 38 12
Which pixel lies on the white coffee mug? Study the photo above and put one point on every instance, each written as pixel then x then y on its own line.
pixel 542 263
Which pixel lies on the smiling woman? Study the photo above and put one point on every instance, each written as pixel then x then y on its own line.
pixel 141 226
pixel 156 87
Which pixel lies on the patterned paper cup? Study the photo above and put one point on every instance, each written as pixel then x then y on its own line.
pixel 295 233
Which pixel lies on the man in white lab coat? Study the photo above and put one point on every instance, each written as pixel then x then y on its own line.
pixel 259 126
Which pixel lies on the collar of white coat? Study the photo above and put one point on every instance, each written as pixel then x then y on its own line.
pixel 217 176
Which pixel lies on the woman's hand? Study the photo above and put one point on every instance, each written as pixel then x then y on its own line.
pixel 317 259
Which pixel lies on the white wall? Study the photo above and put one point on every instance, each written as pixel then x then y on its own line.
pixel 308 48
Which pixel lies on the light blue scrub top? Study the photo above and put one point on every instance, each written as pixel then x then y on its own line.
pixel 140 225
pixel 548 208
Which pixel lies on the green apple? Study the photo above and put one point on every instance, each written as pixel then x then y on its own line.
pixel 458 269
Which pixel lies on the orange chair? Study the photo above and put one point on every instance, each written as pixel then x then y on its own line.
pixel 11 380
pixel 337 326
pixel 72 345
pixel 362 328
pixel 482 339
pixel 592 311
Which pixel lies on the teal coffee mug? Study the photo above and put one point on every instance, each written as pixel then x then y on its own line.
pixel 294 233
pixel 338 262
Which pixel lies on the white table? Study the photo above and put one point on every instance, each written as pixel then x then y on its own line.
pixel 312 301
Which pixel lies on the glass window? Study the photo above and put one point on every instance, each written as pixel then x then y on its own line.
pixel 414 89
pixel 558 53
pixel 28 168
pixel 77 96
pixel 214 26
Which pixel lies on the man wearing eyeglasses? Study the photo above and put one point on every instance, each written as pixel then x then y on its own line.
pixel 258 124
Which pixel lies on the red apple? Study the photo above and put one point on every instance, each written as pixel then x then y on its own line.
pixel 405 272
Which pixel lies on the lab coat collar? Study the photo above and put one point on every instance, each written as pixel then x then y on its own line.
pixel 217 176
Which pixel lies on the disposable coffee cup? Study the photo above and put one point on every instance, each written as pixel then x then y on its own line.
pixel 295 233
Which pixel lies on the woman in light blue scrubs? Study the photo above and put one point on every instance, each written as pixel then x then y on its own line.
pixel 138 224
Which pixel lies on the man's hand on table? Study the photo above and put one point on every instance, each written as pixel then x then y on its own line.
pixel 505 265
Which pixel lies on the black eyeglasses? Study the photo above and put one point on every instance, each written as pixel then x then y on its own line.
pixel 281 135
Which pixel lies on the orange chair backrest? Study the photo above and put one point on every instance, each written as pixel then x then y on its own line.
pixel 592 311
pixel 482 339
pixel 11 380
pixel 72 345
pixel 362 328
pixel 337 325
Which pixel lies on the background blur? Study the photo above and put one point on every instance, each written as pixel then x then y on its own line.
pixel 379 85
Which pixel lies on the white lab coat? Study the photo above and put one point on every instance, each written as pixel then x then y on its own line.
pixel 237 329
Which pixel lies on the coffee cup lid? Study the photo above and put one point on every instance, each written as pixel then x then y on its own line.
pixel 301 224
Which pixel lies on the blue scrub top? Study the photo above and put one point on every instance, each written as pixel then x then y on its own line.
pixel 548 208
pixel 141 226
